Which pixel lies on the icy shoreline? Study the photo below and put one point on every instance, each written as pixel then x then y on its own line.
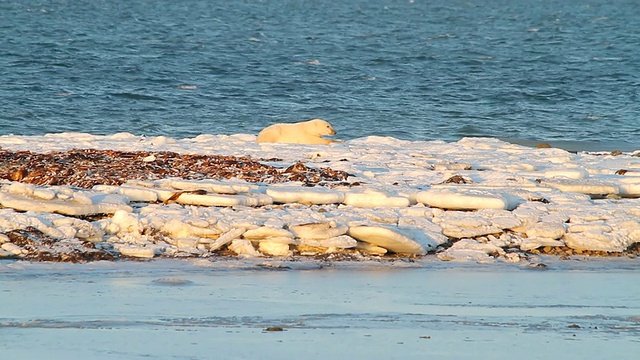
pixel 479 200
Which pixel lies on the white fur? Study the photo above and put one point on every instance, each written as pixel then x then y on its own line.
pixel 306 132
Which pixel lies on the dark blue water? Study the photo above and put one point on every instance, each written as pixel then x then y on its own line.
pixel 440 69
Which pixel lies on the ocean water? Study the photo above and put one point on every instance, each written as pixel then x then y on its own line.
pixel 527 71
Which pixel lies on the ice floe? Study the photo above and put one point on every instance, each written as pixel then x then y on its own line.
pixel 315 195
pixel 468 199
pixel 402 241
pixel 318 231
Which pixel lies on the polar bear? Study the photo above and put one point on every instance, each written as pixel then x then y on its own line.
pixel 306 132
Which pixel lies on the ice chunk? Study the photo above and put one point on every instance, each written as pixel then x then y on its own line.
pixel 551 230
pixel 593 226
pixel 316 195
pixel 318 231
pixel 593 240
pixel 538 242
pixel 222 200
pixel 615 236
pixel 123 221
pixel 136 194
pixel 83 229
pixel 267 232
pixel 380 215
pixel 177 228
pixel 274 248
pixel 226 238
pixel 391 239
pixel 451 166
pixel 501 218
pixel 208 185
pixel 567 173
pixel 135 251
pixel 341 242
pixel 371 248
pixel 67 207
pixel 464 224
pixel 185 243
pixel 68 231
pixel 465 255
pixel 224 194
pixel 374 198
pixel 471 250
pixel 44 194
pixel 468 199
pixel 5 253
pixel 41 221
pixel 12 248
pixel 629 185
pixel 589 187
pixel 425 226
pixel 461 232
pixel 278 239
pixel 469 244
pixel 18 188
pixel 419 211
pixel 243 248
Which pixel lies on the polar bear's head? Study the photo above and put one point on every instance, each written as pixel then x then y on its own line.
pixel 320 127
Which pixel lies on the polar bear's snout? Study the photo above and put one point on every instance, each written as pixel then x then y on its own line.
pixel 332 131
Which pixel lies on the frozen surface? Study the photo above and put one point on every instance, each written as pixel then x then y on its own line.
pixel 190 309
pixel 404 197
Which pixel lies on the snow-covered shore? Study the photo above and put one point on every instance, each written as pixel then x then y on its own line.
pixel 476 199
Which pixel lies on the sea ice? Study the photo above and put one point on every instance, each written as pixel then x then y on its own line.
pixel 80 204
pixel 177 228
pixel 318 231
pixel 226 238
pixel 12 248
pixel 274 248
pixel 399 199
pixel 471 250
pixel 208 185
pixel 341 242
pixel 460 225
pixel 268 233
pixel 135 251
pixel 388 238
pixel 135 194
pixel 567 173
pixel 243 248
pixel 591 187
pixel 538 242
pixel 374 198
pixel 468 199
pixel 550 230
pixel 371 248
pixel 314 195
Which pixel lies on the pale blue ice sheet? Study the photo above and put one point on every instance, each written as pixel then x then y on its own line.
pixel 352 310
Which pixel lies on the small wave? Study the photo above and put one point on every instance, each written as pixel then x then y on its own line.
pixel 134 96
